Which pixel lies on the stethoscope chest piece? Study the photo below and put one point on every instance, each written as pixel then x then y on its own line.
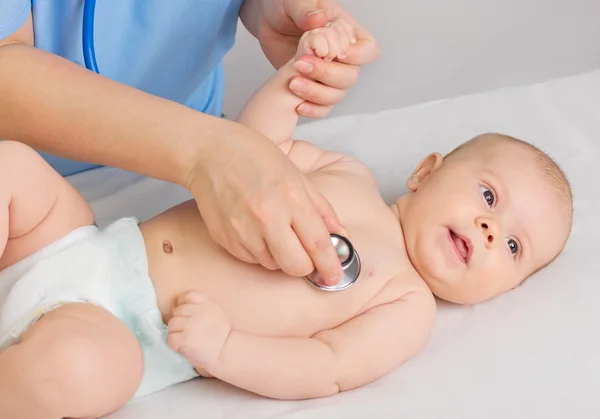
pixel 350 266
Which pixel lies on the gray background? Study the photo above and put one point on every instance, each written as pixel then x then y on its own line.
pixel 432 49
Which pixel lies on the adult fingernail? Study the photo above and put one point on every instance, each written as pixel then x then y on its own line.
pixel 303 108
pixel 303 67
pixel 345 232
pixel 334 280
pixel 298 86
pixel 314 12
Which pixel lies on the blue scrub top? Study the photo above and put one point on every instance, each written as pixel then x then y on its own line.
pixel 169 48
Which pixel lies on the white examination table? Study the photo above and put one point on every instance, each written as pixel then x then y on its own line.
pixel 533 353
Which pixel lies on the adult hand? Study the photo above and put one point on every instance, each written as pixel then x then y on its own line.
pixel 259 207
pixel 278 26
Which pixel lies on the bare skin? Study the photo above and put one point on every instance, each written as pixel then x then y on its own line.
pixel 310 343
pixel 196 262
pixel 263 330
pixel 87 117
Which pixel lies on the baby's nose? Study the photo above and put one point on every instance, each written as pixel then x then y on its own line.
pixel 491 232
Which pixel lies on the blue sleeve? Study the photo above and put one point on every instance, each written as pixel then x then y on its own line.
pixel 13 13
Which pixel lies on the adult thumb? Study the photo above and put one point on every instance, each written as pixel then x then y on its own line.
pixel 305 14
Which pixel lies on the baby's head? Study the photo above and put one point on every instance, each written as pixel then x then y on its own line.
pixel 482 219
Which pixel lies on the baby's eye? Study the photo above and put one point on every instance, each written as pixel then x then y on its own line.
pixel 488 195
pixel 512 245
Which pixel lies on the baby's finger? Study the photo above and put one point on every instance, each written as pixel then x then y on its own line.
pixel 191 297
pixel 318 43
pixel 174 340
pixel 185 310
pixel 177 324
pixel 333 42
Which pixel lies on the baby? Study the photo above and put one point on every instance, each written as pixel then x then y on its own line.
pixel 93 318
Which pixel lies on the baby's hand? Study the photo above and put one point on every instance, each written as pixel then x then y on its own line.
pixel 198 329
pixel 329 42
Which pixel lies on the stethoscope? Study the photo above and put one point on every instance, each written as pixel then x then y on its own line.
pixel 87 36
pixel 344 249
pixel 350 266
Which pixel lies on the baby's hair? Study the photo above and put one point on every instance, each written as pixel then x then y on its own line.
pixel 550 168
pixel 554 174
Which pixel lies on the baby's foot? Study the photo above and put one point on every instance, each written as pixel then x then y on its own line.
pixel 198 329
pixel 329 42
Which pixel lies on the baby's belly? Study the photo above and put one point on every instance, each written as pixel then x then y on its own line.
pixel 182 257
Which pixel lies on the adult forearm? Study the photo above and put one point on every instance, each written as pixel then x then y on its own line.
pixel 282 368
pixel 61 108
pixel 250 12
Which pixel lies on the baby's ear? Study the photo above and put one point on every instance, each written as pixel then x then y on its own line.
pixel 427 166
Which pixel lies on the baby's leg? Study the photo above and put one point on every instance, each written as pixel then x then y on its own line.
pixel 78 361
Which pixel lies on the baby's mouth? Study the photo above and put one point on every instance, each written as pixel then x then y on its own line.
pixel 462 246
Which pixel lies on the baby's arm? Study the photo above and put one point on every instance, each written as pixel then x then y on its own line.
pixel 37 206
pixel 354 354
pixel 272 109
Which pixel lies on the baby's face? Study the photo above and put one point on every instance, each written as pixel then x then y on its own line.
pixel 482 222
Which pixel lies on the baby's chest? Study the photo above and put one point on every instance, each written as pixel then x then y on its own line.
pixel 274 304
pixel 386 274
pixel 354 198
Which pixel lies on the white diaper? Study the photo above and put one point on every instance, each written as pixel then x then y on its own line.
pixel 105 267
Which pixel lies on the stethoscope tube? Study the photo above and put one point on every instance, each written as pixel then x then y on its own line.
pixel 87 38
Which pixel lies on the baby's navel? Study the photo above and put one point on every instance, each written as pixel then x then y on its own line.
pixel 167 246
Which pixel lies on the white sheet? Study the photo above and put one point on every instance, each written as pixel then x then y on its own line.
pixel 533 353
